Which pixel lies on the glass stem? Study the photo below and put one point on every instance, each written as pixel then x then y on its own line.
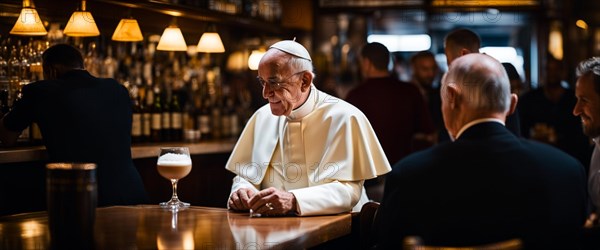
pixel 174 183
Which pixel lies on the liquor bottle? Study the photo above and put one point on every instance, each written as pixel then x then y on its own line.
pixel 4 64
pixel 147 115
pixel 13 75
pixel 91 61
pixel 215 119
pixel 204 121
pixel 4 107
pixel 110 65
pixel 176 119
pixel 166 119
pixel 24 65
pixel 189 111
pixel 4 82
pixel 156 131
pixel 136 124
pixel 35 63
pixel 225 118
pixel 233 118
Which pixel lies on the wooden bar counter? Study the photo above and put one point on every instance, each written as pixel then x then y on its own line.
pixel 23 176
pixel 150 227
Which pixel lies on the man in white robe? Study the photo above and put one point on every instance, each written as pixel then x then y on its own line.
pixel 306 152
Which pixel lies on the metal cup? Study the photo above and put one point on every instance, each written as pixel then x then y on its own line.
pixel 71 203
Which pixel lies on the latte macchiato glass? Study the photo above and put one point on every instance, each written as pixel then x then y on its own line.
pixel 174 163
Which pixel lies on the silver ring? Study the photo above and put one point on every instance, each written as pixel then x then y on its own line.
pixel 269 205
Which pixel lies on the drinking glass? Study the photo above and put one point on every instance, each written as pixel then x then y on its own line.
pixel 174 163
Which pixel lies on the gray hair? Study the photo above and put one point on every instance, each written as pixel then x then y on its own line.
pixel 300 64
pixel 591 65
pixel 481 81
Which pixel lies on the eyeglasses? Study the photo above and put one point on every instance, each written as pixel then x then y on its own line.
pixel 274 84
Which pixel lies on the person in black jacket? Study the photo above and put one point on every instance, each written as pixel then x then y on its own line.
pixel 463 41
pixel 82 119
pixel 487 185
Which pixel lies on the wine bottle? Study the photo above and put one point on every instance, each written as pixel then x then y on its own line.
pixel 156 129
pixel 147 115
pixel 136 124
pixel 176 119
pixel 204 121
pixel 166 120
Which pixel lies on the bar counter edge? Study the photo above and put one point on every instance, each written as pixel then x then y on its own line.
pixel 138 151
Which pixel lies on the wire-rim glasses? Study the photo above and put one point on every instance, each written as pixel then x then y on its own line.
pixel 274 84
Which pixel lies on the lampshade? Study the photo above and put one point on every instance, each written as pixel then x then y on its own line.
pixel 29 22
pixel 81 23
pixel 210 42
pixel 254 59
pixel 128 30
pixel 172 40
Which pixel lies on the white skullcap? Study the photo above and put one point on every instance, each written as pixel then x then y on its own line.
pixel 293 48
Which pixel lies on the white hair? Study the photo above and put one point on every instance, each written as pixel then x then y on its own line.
pixel 300 64
pixel 481 81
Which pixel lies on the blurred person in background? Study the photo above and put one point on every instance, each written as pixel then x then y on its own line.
pixel 547 114
pixel 395 109
pixel 516 85
pixel 424 73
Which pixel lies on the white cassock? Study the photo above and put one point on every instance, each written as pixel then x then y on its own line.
pixel 322 153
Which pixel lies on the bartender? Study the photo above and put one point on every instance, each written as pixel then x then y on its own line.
pixel 82 119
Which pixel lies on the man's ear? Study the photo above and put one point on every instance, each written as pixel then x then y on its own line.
pixel 464 51
pixel 452 95
pixel 513 104
pixel 307 78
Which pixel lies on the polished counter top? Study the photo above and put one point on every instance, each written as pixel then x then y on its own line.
pixel 151 227
pixel 145 150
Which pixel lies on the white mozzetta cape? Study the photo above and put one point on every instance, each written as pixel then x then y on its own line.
pixel 339 144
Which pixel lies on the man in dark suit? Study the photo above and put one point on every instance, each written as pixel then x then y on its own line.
pixel 487 185
pixel 82 119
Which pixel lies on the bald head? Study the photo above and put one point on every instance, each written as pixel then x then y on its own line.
pixel 483 79
pixel 475 86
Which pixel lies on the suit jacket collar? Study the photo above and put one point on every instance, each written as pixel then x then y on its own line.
pixel 484 129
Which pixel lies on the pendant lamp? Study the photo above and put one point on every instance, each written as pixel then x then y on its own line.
pixel 172 39
pixel 128 30
pixel 29 22
pixel 81 23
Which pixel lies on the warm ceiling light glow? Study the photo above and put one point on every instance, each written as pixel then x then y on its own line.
pixel 128 30
pixel 210 42
pixel 29 22
pixel 237 61
pixel 402 42
pixel 172 40
pixel 555 41
pixel 254 59
pixel 581 24
pixel 172 13
pixel 81 23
